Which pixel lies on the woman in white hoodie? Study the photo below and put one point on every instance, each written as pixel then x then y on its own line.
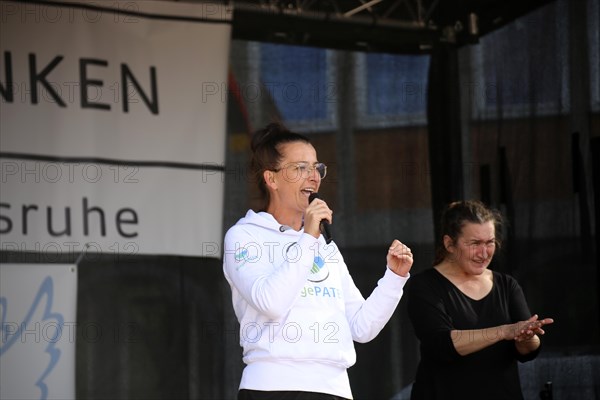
pixel 298 308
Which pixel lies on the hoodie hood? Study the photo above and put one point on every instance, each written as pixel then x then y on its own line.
pixel 267 221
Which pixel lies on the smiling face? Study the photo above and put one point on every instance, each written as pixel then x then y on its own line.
pixel 473 250
pixel 288 187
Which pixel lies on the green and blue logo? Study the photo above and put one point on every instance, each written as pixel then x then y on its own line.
pixel 319 271
pixel 241 255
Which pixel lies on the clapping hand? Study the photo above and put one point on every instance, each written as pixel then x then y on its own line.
pixel 526 330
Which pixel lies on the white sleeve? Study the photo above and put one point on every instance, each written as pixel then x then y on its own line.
pixel 268 288
pixel 368 317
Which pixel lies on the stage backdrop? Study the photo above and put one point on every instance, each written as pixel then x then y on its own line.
pixel 112 126
pixel 37 346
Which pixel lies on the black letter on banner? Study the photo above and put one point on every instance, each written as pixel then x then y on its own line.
pixel 67 230
pixel 133 220
pixel 86 212
pixel 25 210
pixel 126 75
pixel 85 82
pixel 5 219
pixel 41 77
pixel 7 90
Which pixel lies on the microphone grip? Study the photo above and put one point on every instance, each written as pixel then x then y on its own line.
pixel 325 230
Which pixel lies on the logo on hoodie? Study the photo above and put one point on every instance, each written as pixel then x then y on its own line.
pixel 319 271
pixel 242 256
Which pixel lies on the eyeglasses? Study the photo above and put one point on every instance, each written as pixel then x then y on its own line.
pixel 294 171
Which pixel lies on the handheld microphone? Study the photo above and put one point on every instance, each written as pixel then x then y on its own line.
pixel 324 223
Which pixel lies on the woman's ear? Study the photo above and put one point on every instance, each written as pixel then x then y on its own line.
pixel 448 244
pixel 269 177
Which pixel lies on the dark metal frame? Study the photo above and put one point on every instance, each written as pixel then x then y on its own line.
pixel 392 26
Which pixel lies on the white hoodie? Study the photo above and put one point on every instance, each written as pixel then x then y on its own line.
pixel 298 308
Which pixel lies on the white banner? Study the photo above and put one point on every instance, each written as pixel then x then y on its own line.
pixel 38 328
pixel 112 130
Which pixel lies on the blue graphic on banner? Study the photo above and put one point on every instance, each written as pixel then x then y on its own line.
pixel 43 299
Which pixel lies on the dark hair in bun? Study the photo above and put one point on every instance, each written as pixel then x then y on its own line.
pixel 459 213
pixel 266 156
